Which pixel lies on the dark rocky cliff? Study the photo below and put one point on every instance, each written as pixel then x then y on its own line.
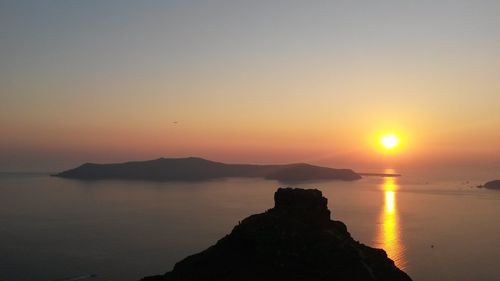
pixel 294 241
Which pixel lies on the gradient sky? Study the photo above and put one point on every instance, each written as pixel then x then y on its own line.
pixel 249 81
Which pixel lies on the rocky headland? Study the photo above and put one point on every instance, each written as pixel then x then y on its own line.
pixel 294 241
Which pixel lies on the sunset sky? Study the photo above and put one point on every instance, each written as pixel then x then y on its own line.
pixel 249 81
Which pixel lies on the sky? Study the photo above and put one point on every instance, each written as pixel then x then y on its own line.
pixel 249 81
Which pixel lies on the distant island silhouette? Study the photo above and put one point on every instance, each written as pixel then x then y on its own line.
pixel 296 240
pixel 494 184
pixel 195 169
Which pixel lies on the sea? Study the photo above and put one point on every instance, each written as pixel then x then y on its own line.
pixel 434 226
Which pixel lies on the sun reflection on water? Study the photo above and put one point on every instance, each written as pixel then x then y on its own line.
pixel 389 232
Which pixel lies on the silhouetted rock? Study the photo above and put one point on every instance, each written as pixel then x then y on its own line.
pixel 305 172
pixel 495 184
pixel 192 169
pixel 294 241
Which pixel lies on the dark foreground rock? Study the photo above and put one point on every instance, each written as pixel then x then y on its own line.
pixel 493 184
pixel 295 240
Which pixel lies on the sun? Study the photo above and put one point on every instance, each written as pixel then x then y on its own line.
pixel 389 141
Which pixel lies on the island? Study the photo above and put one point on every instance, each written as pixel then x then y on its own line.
pixel 494 184
pixel 295 240
pixel 385 175
pixel 194 169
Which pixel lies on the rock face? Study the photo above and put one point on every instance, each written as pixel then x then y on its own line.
pixel 194 169
pixel 294 241
pixel 493 184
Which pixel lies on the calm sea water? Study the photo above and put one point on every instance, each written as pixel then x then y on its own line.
pixel 52 228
